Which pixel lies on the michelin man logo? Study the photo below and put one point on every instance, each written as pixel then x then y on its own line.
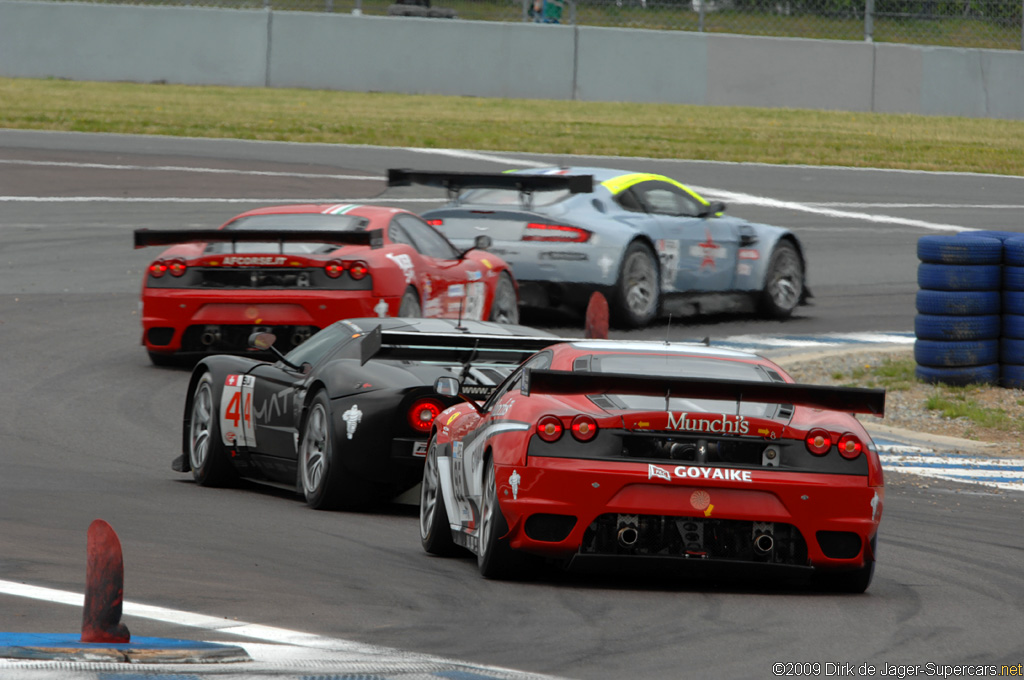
pixel 513 481
pixel 352 418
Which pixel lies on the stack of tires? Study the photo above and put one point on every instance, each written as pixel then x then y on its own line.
pixel 958 323
pixel 1011 347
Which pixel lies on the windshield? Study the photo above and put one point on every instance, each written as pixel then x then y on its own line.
pixel 289 221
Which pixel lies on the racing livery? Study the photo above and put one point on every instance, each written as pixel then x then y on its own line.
pixel 295 269
pixel 595 450
pixel 650 244
pixel 344 417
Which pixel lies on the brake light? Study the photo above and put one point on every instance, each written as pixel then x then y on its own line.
pixel 537 231
pixel 435 222
pixel 818 442
pixel 158 269
pixel 357 270
pixel 334 268
pixel 422 413
pixel 584 428
pixel 849 446
pixel 549 428
pixel 177 267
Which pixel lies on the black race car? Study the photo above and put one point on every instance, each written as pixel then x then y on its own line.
pixel 344 417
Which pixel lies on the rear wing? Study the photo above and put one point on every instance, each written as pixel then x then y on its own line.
pixel 451 347
pixel 168 237
pixel 846 399
pixel 455 182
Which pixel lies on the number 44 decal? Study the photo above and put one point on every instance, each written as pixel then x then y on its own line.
pixel 236 427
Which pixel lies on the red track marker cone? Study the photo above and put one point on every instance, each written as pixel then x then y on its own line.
pixel 597 317
pixel 104 587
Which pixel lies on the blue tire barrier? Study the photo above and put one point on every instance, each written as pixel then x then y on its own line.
pixel 1011 375
pixel 949 353
pixel 935 327
pixel 1011 351
pixel 958 303
pixel 998 234
pixel 1012 326
pixel 964 375
pixel 1013 277
pixel 959 277
pixel 1013 251
pixel 1013 301
pixel 961 249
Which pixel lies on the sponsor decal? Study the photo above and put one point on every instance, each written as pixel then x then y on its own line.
pixel 699 472
pixel 513 481
pixel 236 412
pixel 381 309
pixel 708 251
pixel 487 263
pixel 567 257
pixel 700 499
pixel 661 473
pixel 352 418
pixel 605 263
pixel 453 417
pixel 456 449
pixel 405 263
pixel 456 290
pixel 743 269
pixel 239 260
pixel 722 423
pixel 875 504
pixel 419 449
pixel 474 275
pixel 502 409
pixel 749 254
pixel 668 252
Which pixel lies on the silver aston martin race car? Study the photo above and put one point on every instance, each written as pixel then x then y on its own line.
pixel 652 245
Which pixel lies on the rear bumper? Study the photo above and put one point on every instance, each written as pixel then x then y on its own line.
pixel 577 509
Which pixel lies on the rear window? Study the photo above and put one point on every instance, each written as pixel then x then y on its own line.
pixel 510 197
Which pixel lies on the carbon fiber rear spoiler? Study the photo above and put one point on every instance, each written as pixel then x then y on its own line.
pixel 846 399
pixel 168 237
pixel 455 182
pixel 453 347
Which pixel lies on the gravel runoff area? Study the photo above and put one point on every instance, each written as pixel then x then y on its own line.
pixel 906 411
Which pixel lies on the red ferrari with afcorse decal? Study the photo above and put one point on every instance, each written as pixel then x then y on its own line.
pixel 295 269
pixel 669 452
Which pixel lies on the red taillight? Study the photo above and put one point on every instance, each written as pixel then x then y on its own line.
pixel 536 231
pixel 584 428
pixel 422 413
pixel 818 442
pixel 849 446
pixel 357 270
pixel 549 428
pixel 435 222
pixel 334 268
pixel 177 267
pixel 158 269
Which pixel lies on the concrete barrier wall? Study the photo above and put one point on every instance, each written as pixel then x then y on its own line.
pixel 491 59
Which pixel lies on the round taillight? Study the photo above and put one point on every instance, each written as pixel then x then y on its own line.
pixel 584 428
pixel 422 413
pixel 334 268
pixel 177 267
pixel 818 442
pixel 158 269
pixel 358 270
pixel 549 428
pixel 849 446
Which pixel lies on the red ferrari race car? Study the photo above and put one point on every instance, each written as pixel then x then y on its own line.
pixel 292 270
pixel 674 453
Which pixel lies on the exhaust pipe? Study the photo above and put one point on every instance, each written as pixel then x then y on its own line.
pixel 764 543
pixel 210 336
pixel 628 536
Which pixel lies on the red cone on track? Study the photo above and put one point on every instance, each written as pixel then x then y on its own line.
pixel 597 317
pixel 104 587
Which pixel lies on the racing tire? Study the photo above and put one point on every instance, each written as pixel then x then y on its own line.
pixel 1013 326
pixel 410 305
pixel 638 290
pixel 1013 277
pixel 941 353
pixel 959 249
pixel 958 376
pixel 936 327
pixel 958 303
pixel 1011 351
pixel 495 558
pixel 1013 250
pixel 1013 301
pixel 435 528
pixel 505 303
pixel 323 479
pixel 1011 376
pixel 853 582
pixel 959 277
pixel 997 234
pixel 207 455
pixel 783 282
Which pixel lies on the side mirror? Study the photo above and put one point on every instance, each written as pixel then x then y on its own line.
pixel 262 341
pixel 713 208
pixel 447 386
pixel 482 242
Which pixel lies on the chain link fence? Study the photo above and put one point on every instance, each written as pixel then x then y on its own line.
pixel 992 24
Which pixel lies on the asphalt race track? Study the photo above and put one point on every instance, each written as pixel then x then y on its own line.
pixel 89 428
